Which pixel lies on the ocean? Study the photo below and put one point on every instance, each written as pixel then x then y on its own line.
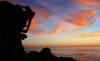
pixel 79 53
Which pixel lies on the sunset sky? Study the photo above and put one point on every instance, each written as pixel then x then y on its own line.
pixel 63 22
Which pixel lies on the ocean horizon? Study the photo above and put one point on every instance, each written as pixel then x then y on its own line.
pixel 79 53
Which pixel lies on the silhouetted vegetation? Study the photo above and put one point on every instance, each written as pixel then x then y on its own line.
pixel 14 22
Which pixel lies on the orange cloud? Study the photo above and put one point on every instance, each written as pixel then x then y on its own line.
pixel 89 2
pixel 57 30
pixel 81 25
pixel 89 12
pixel 34 24
pixel 83 20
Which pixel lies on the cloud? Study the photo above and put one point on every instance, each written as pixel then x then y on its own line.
pixel 39 33
pixel 64 27
pixel 75 22
pixel 95 34
pixel 68 23
pixel 89 12
pixel 42 13
pixel 39 21
pixel 89 2
pixel 83 19
pixel 33 24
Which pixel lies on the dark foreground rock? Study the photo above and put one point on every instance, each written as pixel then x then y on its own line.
pixel 13 20
pixel 46 55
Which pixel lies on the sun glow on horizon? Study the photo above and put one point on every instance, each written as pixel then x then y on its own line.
pixel 81 39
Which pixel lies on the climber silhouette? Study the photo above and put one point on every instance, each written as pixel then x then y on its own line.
pixel 14 23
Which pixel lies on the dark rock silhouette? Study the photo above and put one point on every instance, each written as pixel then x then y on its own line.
pixel 33 56
pixel 45 55
pixel 14 22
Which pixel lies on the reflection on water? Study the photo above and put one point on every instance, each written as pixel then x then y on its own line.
pixel 79 53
